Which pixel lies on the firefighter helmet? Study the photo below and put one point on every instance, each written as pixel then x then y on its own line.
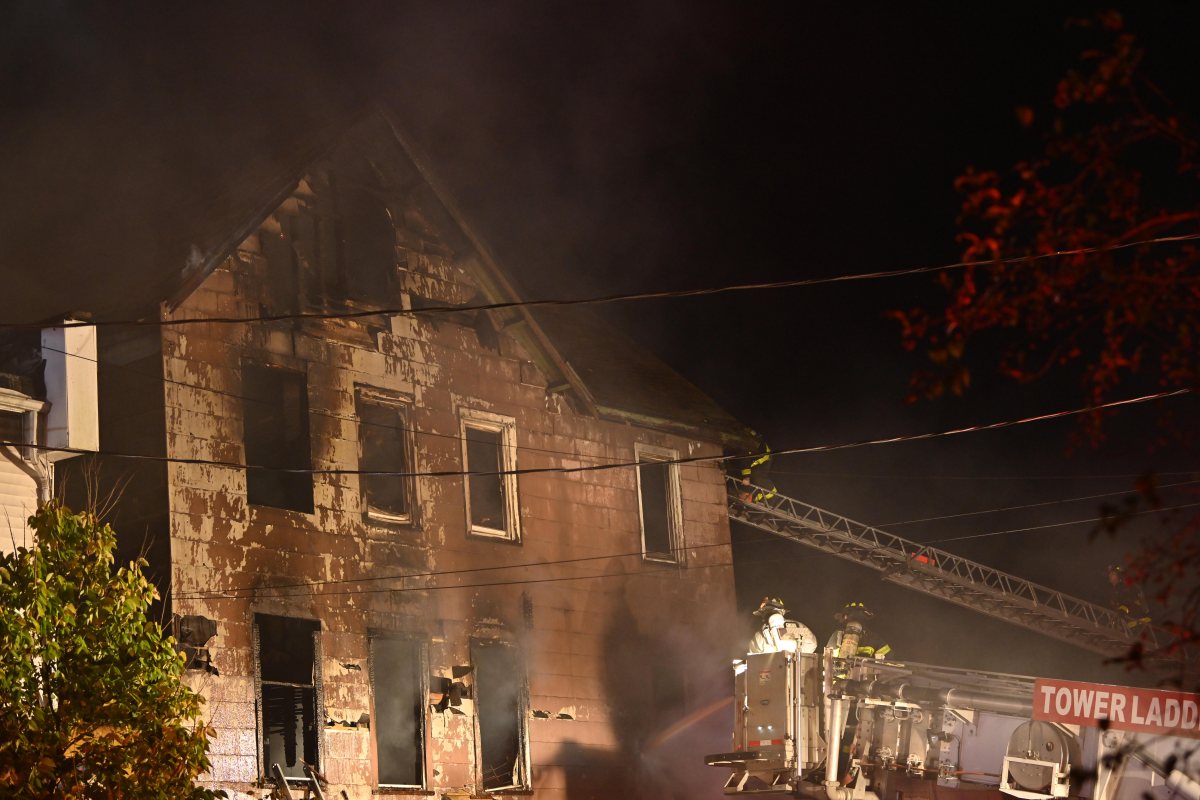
pixel 770 605
pixel 854 611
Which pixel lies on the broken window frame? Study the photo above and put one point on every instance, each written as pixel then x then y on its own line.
pixel 470 418
pixel 264 768
pixel 522 767
pixel 422 667
pixel 649 454
pixel 402 406
pixel 349 194
pixel 307 504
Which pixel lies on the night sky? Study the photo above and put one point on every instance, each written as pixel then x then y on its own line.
pixel 640 146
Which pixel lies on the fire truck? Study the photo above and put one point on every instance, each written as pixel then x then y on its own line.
pixel 828 726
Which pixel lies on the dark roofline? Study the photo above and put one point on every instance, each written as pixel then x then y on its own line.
pixel 518 321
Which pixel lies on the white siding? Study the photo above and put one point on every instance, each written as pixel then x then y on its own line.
pixel 18 499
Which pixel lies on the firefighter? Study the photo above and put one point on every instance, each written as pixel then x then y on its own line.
pixel 1127 599
pixel 852 638
pixel 779 634
pixel 757 485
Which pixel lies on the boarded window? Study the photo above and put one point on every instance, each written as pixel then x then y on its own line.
pixel 396 675
pixel 275 411
pixel 287 664
pixel 500 706
pixel 384 447
pixel 489 451
pixel 658 496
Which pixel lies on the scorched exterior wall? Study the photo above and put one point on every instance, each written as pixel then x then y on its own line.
pixel 592 633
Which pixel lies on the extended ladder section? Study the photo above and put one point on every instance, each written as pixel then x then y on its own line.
pixel 945 575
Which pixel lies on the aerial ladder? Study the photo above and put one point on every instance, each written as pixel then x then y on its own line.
pixel 951 577
pixel 833 726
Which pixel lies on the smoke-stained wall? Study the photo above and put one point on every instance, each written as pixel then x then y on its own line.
pixel 603 649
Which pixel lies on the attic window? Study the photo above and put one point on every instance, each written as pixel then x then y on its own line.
pixel 385 446
pixel 275 415
pixel 490 453
pixel 367 241
pixel 287 668
pixel 501 713
pixel 659 503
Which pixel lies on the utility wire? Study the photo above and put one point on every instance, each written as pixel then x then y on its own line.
pixel 526 581
pixel 614 298
pixel 1055 525
pixel 824 448
pixel 1063 501
pixel 230 592
pixel 327 414
pixel 909 476
pixel 240 591
pixel 568 454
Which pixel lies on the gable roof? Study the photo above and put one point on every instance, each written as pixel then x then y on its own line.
pixel 170 253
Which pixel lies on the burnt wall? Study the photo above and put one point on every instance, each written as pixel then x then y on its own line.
pixel 611 648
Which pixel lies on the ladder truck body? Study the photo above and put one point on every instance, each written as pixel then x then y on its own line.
pixel 814 724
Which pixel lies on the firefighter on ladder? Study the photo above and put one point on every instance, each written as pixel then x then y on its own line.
pixel 779 634
pixel 756 478
pixel 1127 598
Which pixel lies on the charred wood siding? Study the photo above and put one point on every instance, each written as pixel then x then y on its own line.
pixel 585 634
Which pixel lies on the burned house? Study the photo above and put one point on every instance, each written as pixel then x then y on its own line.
pixel 441 549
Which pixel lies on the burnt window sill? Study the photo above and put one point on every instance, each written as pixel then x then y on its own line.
pixel 385 522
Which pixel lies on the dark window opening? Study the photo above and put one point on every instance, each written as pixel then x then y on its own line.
pixel 368 244
pixel 283 272
pixel 12 426
pixel 288 703
pixel 486 492
pixel 657 499
pixel 275 412
pixel 396 670
pixel 500 707
pixel 383 447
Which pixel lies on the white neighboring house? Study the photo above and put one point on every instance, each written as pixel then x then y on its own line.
pixel 24 473
pixel 67 418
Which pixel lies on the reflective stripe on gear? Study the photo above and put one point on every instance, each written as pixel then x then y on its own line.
pixel 764 458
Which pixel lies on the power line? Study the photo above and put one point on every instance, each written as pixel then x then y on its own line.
pixel 1027 505
pixel 326 414
pixel 527 581
pixel 226 593
pixel 239 591
pixel 529 448
pixel 524 582
pixel 910 476
pixel 825 448
pixel 614 298
pixel 1055 525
